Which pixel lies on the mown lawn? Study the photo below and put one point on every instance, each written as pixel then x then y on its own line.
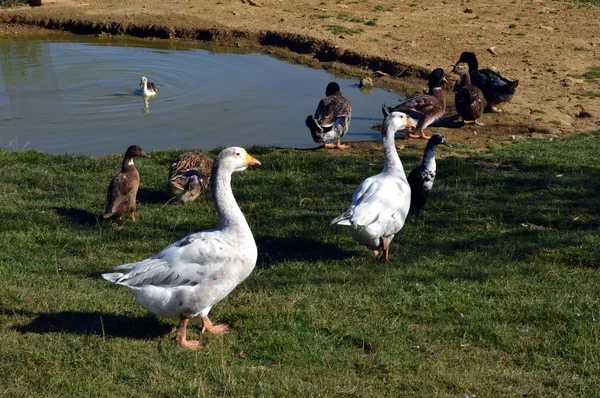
pixel 493 292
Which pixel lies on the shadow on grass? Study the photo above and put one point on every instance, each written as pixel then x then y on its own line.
pixel 78 216
pixel 273 250
pixel 147 195
pixel 96 323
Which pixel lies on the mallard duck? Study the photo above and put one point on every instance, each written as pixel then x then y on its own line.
pixel 122 190
pixel 468 99
pixel 332 118
pixel 422 177
pixel 186 279
pixel 189 175
pixel 425 108
pixel 148 88
pixel 496 89
pixel 380 203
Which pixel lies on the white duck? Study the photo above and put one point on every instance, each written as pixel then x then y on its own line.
pixel 187 278
pixel 380 203
pixel 148 88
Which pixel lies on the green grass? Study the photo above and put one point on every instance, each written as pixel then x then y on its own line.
pixel 339 29
pixel 592 74
pixel 12 3
pixel 493 292
pixel 588 94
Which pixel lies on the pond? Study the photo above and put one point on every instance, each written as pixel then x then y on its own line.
pixel 64 96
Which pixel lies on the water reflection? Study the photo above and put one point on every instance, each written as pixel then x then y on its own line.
pixel 146 108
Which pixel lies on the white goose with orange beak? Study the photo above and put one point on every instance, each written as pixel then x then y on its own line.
pixel 380 204
pixel 187 278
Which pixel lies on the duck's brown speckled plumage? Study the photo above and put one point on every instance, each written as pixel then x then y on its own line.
pixel 496 89
pixel 332 117
pixel 122 191
pixel 424 108
pixel 189 175
pixel 468 99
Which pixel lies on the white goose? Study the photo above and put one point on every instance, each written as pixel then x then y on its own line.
pixel 148 88
pixel 187 278
pixel 380 203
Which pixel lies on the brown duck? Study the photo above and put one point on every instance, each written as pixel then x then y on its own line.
pixel 424 109
pixel 189 175
pixel 496 88
pixel 332 118
pixel 122 191
pixel 468 99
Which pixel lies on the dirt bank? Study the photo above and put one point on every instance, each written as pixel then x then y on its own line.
pixel 548 46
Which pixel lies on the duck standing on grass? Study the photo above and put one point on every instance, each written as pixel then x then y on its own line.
pixel 422 177
pixel 332 118
pixel 468 99
pixel 380 203
pixel 189 175
pixel 122 191
pixel 424 108
pixel 186 279
pixel 496 89
pixel 148 88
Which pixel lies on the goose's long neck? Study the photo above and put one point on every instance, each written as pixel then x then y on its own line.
pixel 230 215
pixel 392 160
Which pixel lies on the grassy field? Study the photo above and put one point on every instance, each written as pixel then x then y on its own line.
pixel 492 293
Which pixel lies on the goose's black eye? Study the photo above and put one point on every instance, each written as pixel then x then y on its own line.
pixel 237 154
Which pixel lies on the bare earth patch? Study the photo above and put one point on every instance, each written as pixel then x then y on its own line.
pixel 551 47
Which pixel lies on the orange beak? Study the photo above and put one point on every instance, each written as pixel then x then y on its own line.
pixel 409 123
pixel 251 161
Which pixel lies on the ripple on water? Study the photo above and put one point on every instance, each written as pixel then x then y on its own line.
pixel 82 98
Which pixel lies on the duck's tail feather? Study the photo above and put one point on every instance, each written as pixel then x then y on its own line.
pixel 112 277
pixel 312 124
pixel 386 110
pixel 512 87
pixel 124 267
pixel 342 219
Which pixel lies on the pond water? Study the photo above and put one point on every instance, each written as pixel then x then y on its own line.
pixel 62 96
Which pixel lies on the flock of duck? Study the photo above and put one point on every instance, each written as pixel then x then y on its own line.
pixel 187 278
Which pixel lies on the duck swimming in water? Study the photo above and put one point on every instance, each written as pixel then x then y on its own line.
pixel 148 88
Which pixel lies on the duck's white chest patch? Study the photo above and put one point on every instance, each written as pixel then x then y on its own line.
pixel 130 163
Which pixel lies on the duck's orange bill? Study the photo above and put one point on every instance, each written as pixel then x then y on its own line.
pixel 409 123
pixel 251 161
